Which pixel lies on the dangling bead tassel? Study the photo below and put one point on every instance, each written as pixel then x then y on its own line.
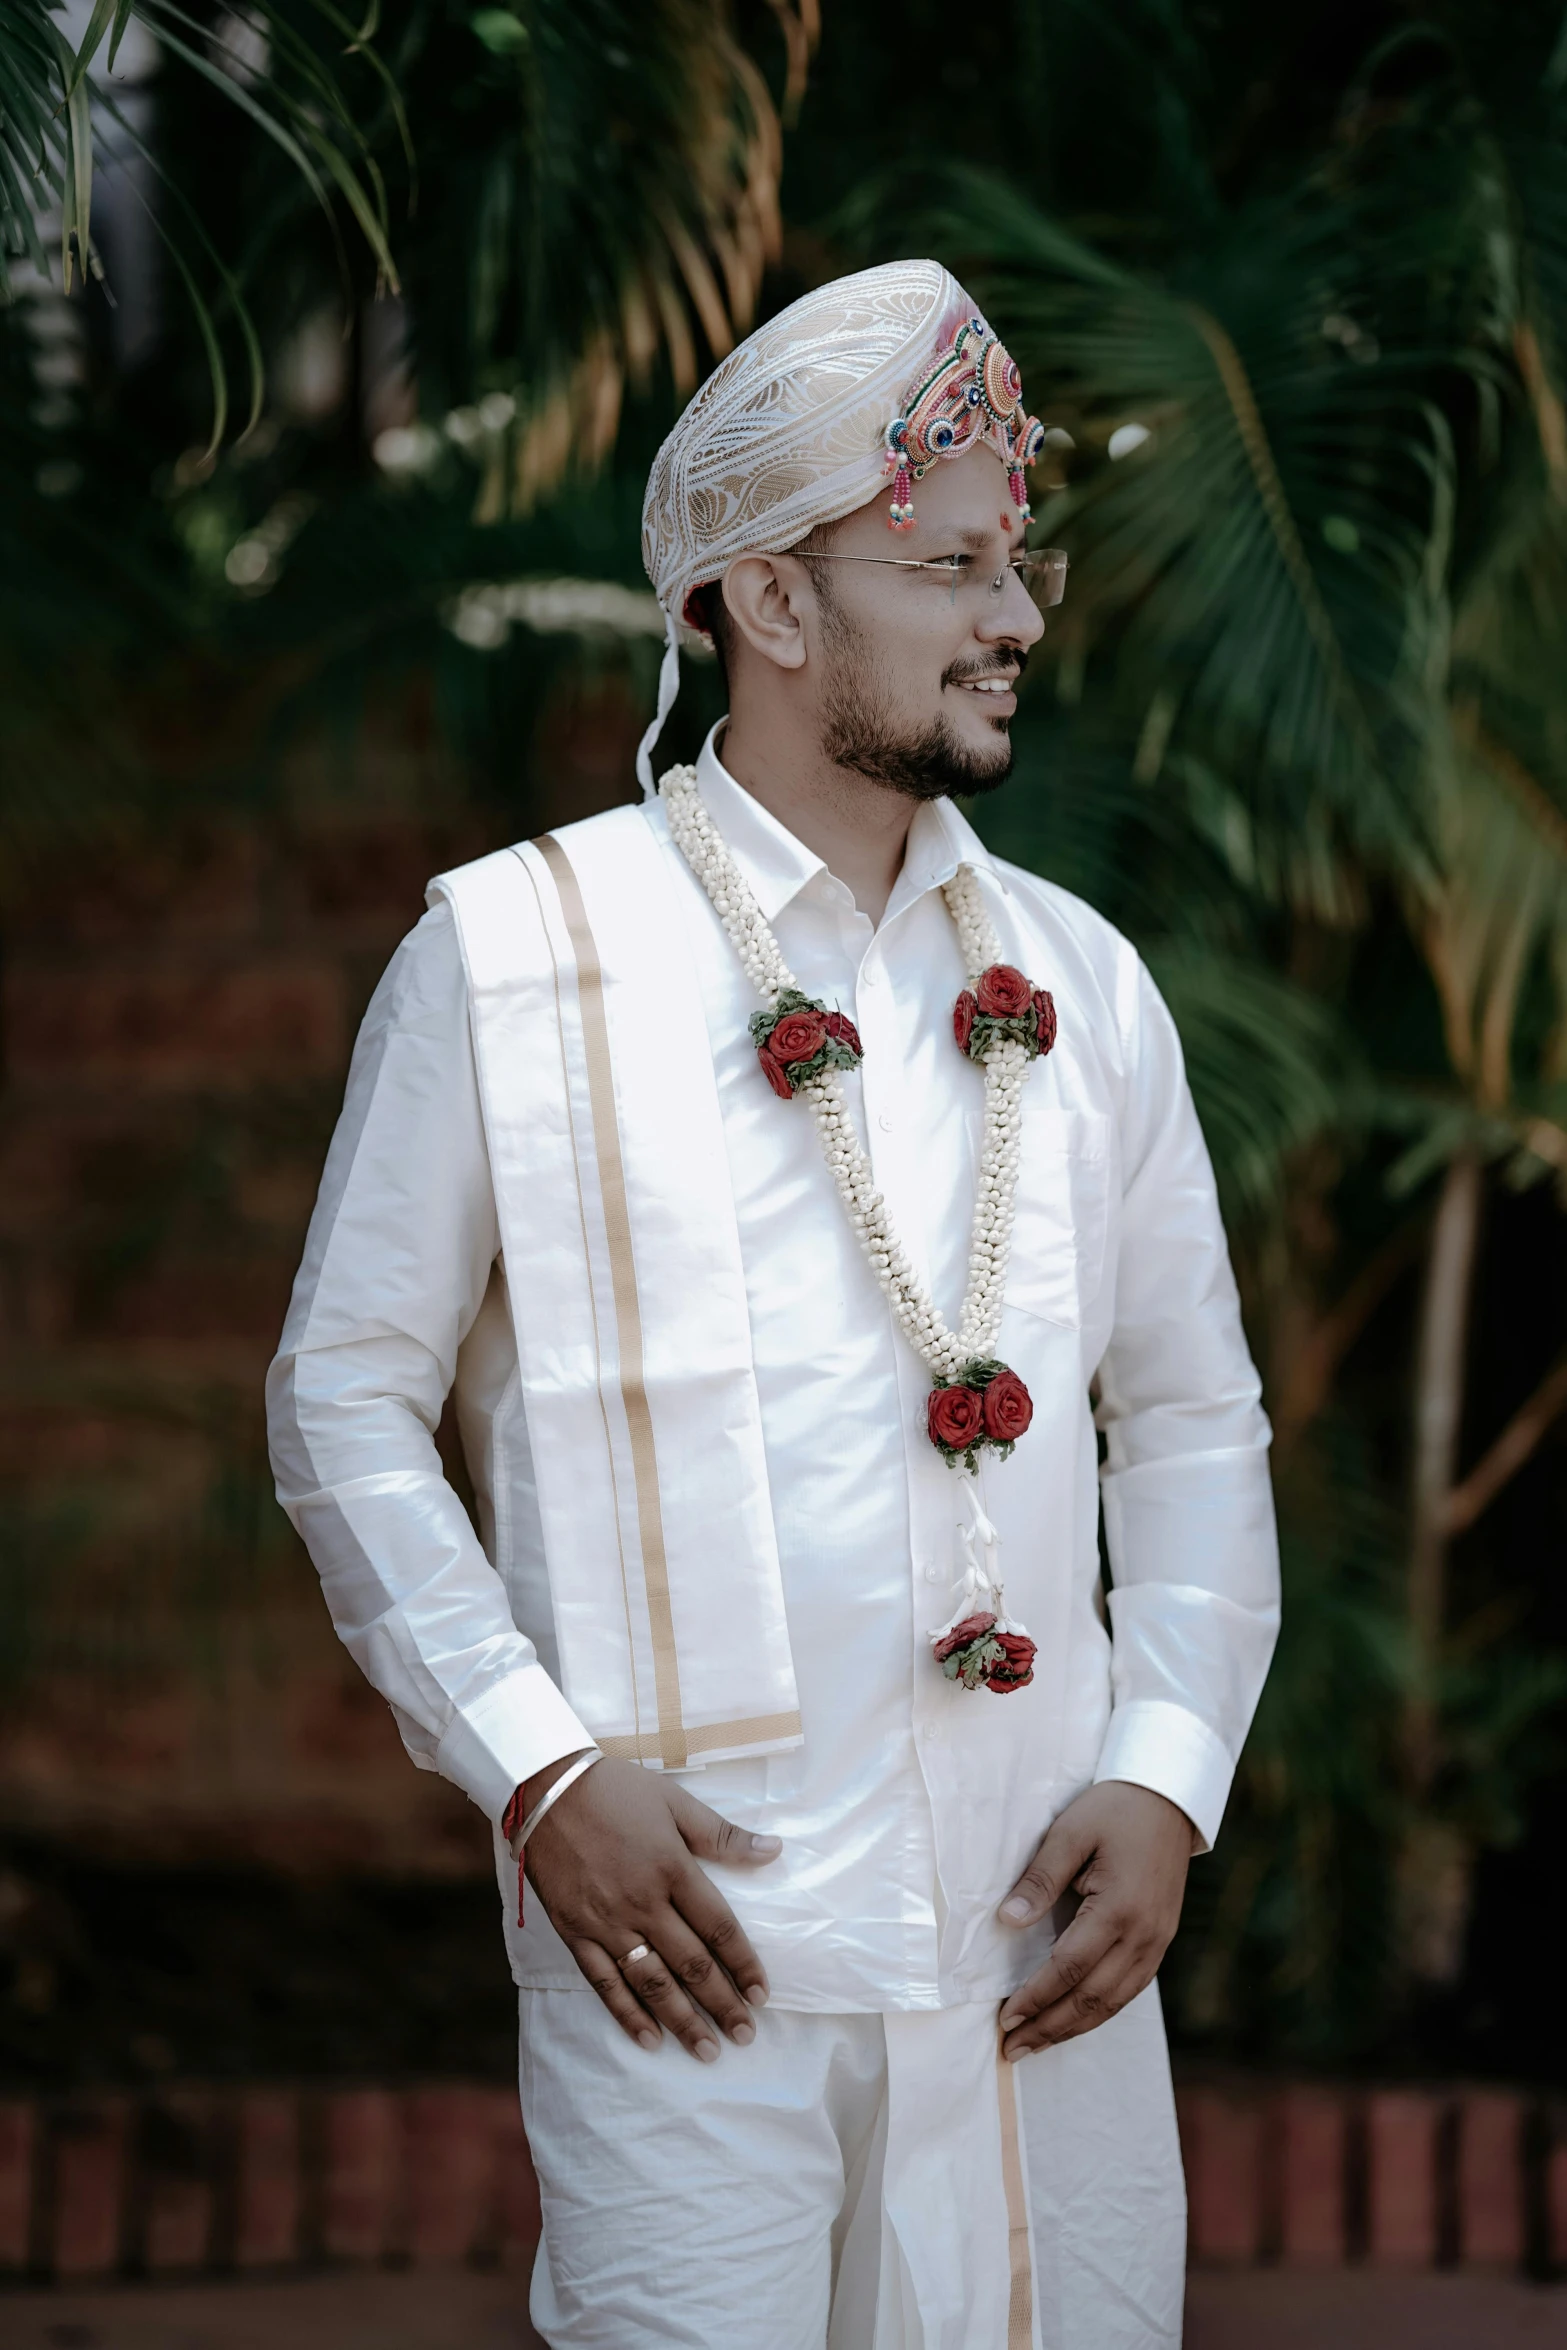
pixel 901 516
pixel 1019 490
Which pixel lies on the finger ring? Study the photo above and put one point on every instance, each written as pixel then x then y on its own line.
pixel 632 1956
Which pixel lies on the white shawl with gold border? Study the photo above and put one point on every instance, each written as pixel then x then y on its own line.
pixel 622 1259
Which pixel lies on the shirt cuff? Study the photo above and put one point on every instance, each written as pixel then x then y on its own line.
pixel 507 1734
pixel 1154 1744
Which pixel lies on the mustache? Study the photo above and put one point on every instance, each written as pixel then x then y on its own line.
pixel 1010 666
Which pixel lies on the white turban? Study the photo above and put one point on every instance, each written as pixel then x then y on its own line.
pixel 787 433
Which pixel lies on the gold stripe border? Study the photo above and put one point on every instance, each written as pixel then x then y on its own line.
pixel 1020 2248
pixel 703 1737
pixel 672 1740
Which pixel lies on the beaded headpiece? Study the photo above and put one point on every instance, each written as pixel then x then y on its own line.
pixel 790 431
pixel 974 392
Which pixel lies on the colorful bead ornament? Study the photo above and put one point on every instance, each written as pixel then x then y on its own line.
pixel 974 392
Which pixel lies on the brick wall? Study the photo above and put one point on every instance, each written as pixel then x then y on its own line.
pixel 175 1020
pixel 238 2181
pixel 248 2181
pixel 1314 2176
pixel 176 1027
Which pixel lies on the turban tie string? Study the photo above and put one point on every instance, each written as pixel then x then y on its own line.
pixel 668 688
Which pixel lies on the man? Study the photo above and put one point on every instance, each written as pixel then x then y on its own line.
pixel 772 1171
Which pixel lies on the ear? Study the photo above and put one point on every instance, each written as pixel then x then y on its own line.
pixel 767 597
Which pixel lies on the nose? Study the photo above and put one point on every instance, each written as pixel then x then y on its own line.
pixel 1014 619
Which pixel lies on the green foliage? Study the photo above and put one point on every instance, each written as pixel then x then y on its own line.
pixel 1290 1937
pixel 1307 746
pixel 1292 1941
pixel 1271 1066
pixel 47 150
pixel 36 144
pixel 565 184
pixel 588 174
pixel 1300 727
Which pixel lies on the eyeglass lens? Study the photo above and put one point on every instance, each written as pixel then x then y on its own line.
pixel 1042 571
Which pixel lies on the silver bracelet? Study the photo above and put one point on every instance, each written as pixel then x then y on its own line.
pixel 584 1762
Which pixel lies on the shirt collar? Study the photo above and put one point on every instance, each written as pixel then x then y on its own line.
pixel 777 866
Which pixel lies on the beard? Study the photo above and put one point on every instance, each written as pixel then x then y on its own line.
pixel 861 730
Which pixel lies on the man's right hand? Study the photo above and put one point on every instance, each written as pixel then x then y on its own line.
pixel 612 1863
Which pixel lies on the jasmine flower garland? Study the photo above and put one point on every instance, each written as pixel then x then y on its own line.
pixel 977 1403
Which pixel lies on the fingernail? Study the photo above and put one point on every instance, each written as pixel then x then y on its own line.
pixel 707 2050
pixel 743 2035
pixel 647 2039
pixel 1009 2023
pixel 757 1995
pixel 767 1844
pixel 1017 1910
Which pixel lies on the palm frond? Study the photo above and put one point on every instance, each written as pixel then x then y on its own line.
pixel 607 181
pixel 47 144
pixel 1267 559
pixel 32 136
pixel 1271 1067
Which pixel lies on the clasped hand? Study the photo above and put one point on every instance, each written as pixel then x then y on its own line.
pixel 615 1865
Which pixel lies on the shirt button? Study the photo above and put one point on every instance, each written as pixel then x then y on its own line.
pixel 884 1122
pixel 867 979
pixel 932 1732
pixel 933 1574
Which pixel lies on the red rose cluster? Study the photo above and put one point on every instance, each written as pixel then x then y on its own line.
pixel 986 1407
pixel 799 1038
pixel 1002 1003
pixel 974 1651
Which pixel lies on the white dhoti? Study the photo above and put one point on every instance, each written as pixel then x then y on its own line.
pixel 854 2182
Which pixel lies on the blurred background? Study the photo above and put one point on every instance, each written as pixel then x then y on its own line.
pixel 333 351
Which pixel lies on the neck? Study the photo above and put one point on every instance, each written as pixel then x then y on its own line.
pixel 858 829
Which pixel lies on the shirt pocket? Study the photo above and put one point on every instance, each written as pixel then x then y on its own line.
pixel 1063 1211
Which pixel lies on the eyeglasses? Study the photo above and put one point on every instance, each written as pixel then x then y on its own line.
pixel 1042 571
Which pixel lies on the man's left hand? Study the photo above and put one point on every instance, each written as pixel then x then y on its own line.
pixel 1125 1850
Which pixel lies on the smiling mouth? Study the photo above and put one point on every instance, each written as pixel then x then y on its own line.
pixel 985 685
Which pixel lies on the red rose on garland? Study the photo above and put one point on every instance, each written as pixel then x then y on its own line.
pixel 978 1655
pixel 799 1039
pixel 1008 1408
pixel 956 1417
pixel 971 1628
pixel 798 1036
pixel 984 1404
pixel 1003 993
pixel 1003 1005
pixel 1017 1669
pixel 1045 1015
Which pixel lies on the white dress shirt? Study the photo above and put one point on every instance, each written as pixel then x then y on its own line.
pixel 911 1805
